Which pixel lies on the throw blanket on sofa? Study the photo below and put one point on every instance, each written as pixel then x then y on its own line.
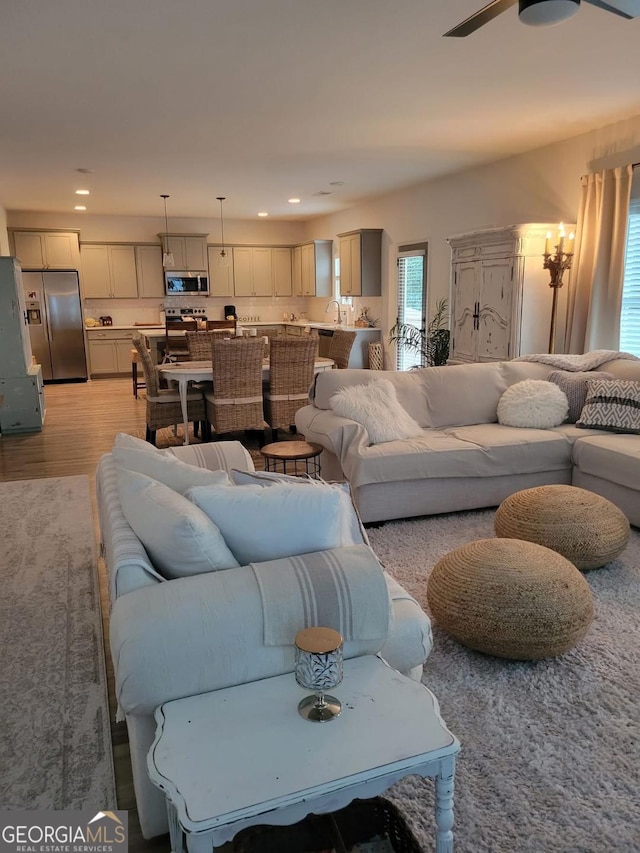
pixel 341 588
pixel 587 361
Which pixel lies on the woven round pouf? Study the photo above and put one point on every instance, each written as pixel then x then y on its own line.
pixel 584 527
pixel 510 598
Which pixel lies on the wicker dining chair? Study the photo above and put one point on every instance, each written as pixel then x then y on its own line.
pixel 224 325
pixel 163 405
pixel 176 347
pixel 236 400
pixel 291 365
pixel 340 347
pixel 199 343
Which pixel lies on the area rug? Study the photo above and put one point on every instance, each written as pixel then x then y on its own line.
pixel 55 746
pixel 550 750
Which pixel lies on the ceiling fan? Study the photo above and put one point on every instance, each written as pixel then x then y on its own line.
pixel 540 12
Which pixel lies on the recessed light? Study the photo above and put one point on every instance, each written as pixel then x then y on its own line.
pixel 82 192
pixel 263 213
pixel 294 201
pixel 80 207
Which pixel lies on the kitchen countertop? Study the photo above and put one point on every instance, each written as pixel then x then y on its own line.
pixel 157 327
pixel 125 328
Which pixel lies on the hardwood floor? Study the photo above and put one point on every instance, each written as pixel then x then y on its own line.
pixel 81 422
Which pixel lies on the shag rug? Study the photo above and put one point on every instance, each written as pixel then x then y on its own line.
pixel 550 750
pixel 55 744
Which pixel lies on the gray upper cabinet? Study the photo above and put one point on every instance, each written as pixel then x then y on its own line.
pixel 150 272
pixel 189 251
pixel 361 262
pixel 312 268
pixel 46 250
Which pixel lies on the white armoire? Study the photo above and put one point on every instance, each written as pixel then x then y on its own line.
pixel 500 294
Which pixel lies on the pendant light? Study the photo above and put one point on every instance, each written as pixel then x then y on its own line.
pixel 223 258
pixel 167 256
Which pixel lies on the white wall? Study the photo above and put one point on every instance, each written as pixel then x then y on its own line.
pixel 540 186
pixel 138 229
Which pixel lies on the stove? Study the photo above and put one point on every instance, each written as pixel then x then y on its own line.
pixel 198 313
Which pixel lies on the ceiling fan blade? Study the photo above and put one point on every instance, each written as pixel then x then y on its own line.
pixel 479 19
pixel 609 8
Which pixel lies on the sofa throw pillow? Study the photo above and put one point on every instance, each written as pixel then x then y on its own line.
pixel 612 405
pixel 574 385
pixel 169 470
pixel 179 538
pixel 266 524
pixel 123 439
pixel 352 530
pixel 376 407
pixel 533 403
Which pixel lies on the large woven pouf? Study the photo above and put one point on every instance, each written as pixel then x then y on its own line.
pixel 584 527
pixel 510 598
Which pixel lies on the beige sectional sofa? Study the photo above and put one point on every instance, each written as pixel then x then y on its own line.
pixel 464 459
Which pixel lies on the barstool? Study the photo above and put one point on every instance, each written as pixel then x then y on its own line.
pixel 135 361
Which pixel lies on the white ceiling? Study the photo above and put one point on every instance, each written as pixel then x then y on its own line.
pixel 261 100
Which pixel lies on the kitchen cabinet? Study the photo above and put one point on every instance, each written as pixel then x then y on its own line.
pixel 108 271
pixel 110 351
pixel 220 277
pixel 500 296
pixel 47 250
pixel 149 271
pixel 253 271
pixel 189 251
pixel 360 262
pixel 296 271
pixel 312 268
pixel 281 266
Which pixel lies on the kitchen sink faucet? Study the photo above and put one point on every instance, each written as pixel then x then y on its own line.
pixel 326 310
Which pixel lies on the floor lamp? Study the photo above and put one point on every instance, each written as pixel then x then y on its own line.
pixel 557 262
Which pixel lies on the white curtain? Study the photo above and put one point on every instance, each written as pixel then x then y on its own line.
pixel 595 290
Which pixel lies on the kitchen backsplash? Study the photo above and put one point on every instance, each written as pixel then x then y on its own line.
pixel 124 312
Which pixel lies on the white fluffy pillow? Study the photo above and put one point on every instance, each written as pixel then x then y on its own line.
pixel 178 475
pixel 533 403
pixel 266 524
pixel 180 539
pixel 377 408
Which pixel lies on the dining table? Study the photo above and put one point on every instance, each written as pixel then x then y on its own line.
pixel 183 372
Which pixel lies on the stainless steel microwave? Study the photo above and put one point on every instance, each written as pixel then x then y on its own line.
pixel 177 283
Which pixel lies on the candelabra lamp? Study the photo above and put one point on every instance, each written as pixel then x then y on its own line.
pixel 557 262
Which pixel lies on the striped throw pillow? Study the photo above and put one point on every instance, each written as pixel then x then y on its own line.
pixel 612 405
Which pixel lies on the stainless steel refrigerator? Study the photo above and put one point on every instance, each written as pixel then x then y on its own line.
pixel 54 319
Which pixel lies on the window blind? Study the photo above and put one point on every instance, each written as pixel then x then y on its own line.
pixel 411 299
pixel 630 313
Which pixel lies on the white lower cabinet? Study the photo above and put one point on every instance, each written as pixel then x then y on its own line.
pixel 110 351
pixel 500 294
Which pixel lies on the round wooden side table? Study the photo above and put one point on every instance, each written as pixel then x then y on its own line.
pixel 301 457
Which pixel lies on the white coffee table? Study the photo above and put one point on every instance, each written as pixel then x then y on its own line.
pixel 244 756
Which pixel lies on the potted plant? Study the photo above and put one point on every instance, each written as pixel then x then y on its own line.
pixel 432 343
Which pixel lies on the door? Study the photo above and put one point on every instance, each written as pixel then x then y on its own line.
pixel 37 321
pixel 66 338
pixel 464 311
pixel 494 321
